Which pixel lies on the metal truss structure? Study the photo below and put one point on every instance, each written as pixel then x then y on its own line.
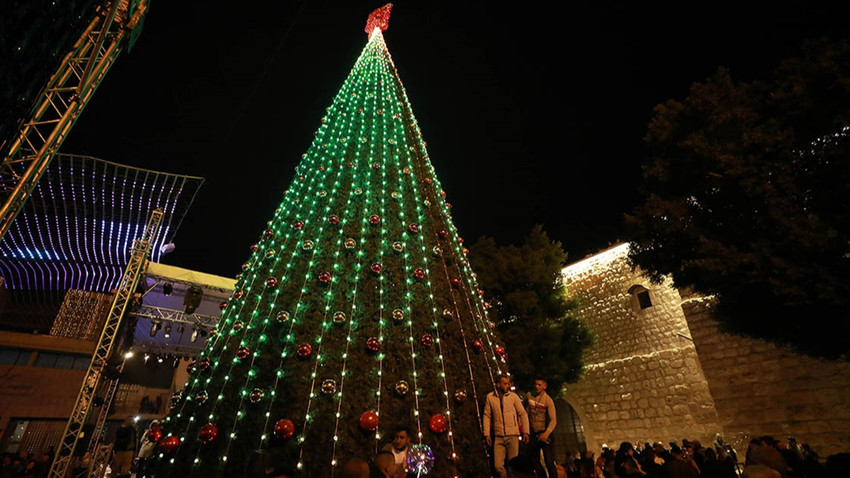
pixel 205 322
pixel 104 352
pixel 200 324
pixel 100 424
pixel 115 25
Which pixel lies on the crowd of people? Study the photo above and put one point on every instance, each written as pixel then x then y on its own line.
pixel 765 458
pixel 25 465
pixel 519 431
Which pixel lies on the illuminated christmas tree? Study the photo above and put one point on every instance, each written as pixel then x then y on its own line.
pixel 356 312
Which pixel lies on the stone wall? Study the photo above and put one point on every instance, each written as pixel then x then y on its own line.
pixel 763 389
pixel 643 380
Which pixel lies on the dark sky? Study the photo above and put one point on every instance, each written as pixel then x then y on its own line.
pixel 531 116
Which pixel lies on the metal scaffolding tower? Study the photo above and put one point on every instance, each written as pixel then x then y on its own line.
pixel 105 352
pixel 115 26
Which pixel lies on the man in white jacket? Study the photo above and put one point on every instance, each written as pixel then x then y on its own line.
pixel 502 414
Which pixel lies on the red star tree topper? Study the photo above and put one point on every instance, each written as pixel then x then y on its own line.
pixel 379 18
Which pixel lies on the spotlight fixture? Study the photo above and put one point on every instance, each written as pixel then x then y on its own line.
pixel 159 358
pixel 147 357
pixel 167 288
pixel 167 331
pixel 193 299
pixel 155 326
pixel 194 336
pixel 181 328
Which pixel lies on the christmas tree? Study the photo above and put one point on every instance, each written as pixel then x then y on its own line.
pixel 355 314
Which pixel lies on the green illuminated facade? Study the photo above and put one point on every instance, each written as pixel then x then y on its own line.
pixel 357 302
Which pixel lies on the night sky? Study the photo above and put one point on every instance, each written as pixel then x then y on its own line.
pixel 531 116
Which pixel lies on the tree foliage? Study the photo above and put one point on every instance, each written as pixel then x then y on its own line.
pixel 745 196
pixel 530 308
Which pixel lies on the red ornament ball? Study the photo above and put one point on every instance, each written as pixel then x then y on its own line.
pixel 427 340
pixel 333 220
pixel 478 345
pixel 438 423
pixel 254 248
pixel 369 421
pixel 204 364
pixel 190 367
pixel 406 170
pixel 428 181
pixel 456 282
pixel 374 219
pixel 304 350
pixel 444 233
pixel 443 193
pixel 222 306
pixel 419 273
pixel 208 433
pixel 155 434
pixel 243 352
pixel 298 225
pixel 238 294
pixel 373 344
pixel 480 293
pixel 283 429
pixel 324 277
pixel 169 444
pixel 413 228
pixel 376 268
pixel 500 351
pixel 268 233
pixel 271 283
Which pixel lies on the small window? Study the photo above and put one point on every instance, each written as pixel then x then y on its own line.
pixel 65 361
pixel 642 294
pixel 644 300
pixel 14 357
pixel 81 363
pixel 45 359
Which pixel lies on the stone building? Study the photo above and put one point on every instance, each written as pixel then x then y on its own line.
pixel 660 370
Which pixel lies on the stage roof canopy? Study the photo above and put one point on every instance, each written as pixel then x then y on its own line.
pixel 77 228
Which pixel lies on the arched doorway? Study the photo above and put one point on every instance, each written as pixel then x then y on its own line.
pixel 569 433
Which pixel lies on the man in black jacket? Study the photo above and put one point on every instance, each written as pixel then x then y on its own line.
pixel 124 448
